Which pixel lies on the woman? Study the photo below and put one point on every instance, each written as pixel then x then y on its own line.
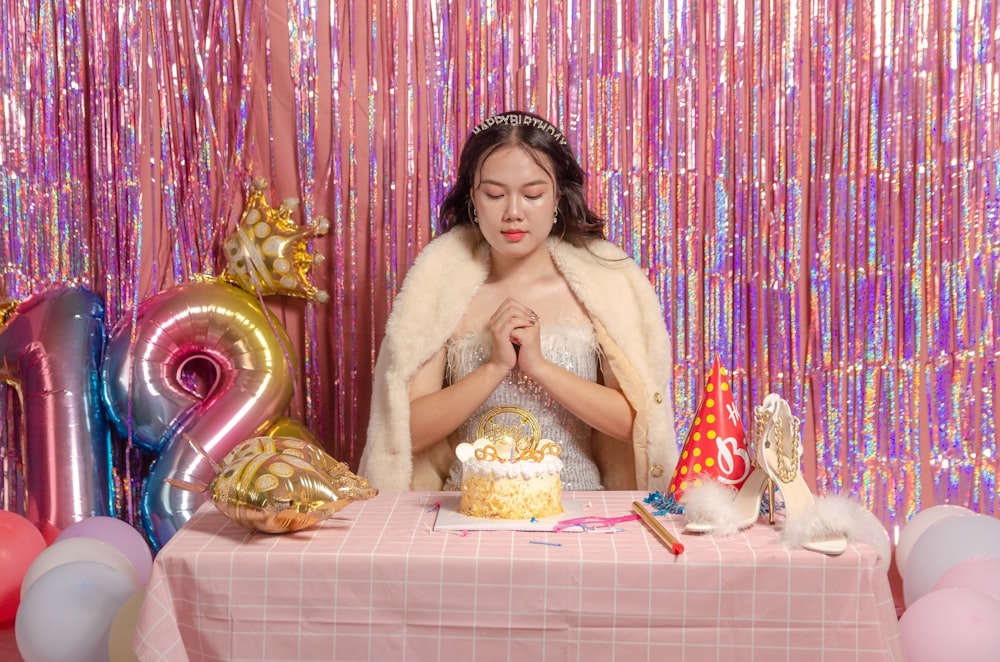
pixel 521 301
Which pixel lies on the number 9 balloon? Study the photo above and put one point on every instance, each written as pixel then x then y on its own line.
pixel 208 361
pixel 50 351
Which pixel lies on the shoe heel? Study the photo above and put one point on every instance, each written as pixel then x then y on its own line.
pixel 779 455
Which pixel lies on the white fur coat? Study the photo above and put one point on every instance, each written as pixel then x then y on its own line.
pixel 629 323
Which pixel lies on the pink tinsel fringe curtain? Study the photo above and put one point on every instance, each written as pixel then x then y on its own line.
pixel 812 186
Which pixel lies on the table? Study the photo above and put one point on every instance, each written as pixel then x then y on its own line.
pixel 376 582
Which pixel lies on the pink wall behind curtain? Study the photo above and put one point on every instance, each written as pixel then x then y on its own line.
pixel 812 186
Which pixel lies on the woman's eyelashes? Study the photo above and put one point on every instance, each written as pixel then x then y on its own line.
pixel 528 196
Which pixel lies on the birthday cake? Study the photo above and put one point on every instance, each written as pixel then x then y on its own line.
pixel 503 488
pixel 510 476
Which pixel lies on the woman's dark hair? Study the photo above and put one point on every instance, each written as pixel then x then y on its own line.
pixel 576 221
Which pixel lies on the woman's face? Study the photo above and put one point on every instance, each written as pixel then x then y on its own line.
pixel 515 201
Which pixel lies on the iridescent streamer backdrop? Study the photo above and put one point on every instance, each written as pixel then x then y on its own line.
pixel 812 186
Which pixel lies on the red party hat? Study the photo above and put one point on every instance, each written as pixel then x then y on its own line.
pixel 716 445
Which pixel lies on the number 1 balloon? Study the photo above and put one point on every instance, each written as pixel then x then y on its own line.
pixel 50 351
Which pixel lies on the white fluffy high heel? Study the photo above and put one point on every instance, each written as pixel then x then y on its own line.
pixel 779 455
pixel 718 510
pixel 820 524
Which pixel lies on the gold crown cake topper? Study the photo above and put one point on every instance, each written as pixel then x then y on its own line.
pixel 487 451
pixel 268 253
pixel 508 433
pixel 511 426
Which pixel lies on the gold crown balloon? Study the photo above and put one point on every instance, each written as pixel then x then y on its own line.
pixel 7 308
pixel 268 253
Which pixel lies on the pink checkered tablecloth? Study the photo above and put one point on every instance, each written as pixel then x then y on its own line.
pixel 376 582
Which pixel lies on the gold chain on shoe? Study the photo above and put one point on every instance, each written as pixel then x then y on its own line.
pixel 759 423
pixel 788 463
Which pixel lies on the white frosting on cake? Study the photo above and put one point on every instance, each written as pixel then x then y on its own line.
pixel 523 469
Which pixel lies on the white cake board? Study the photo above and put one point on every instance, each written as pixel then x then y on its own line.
pixel 449 519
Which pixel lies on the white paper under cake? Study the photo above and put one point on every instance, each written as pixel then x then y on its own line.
pixel 449 519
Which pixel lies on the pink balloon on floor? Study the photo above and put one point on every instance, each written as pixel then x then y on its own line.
pixel 951 624
pixel 119 535
pixel 20 544
pixel 981 575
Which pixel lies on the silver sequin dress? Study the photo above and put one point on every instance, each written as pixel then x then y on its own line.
pixel 572 345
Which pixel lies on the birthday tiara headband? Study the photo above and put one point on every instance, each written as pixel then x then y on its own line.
pixel 520 119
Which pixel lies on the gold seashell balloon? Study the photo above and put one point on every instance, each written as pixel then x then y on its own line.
pixel 279 493
pixel 300 448
pixel 281 490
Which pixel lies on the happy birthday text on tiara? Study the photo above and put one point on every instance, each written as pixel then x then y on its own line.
pixel 516 119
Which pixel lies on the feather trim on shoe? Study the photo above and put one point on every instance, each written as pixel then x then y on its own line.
pixel 837 516
pixel 711 502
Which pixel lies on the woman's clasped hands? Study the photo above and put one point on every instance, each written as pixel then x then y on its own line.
pixel 516 333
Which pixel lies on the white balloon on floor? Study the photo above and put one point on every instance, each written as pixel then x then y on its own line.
pixel 78 549
pixel 945 544
pixel 920 523
pixel 123 629
pixel 66 614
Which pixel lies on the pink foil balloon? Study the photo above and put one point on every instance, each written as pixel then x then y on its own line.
pixel 207 363
pixel 50 350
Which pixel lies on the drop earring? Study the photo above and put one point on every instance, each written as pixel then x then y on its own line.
pixel 555 223
pixel 471 211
